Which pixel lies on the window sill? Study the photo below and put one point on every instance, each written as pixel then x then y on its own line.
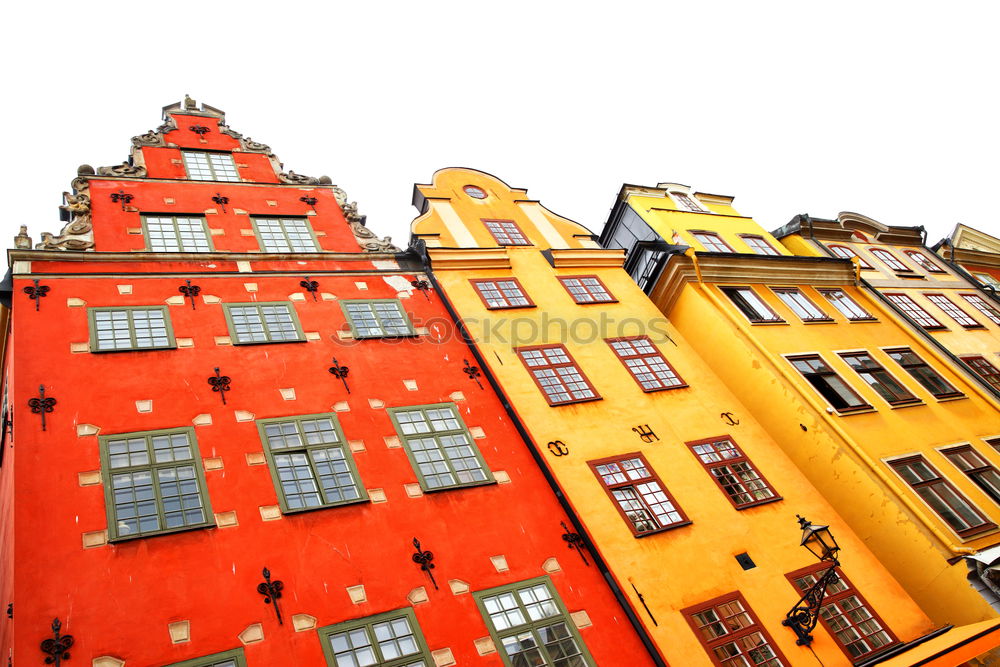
pixel 594 303
pixel 973 327
pixel 271 342
pixel 908 404
pixel 489 482
pixel 172 531
pixel 758 503
pixel 134 349
pixel 910 275
pixel 977 532
pixel 306 510
pixel 863 320
pixel 767 323
pixel 530 305
pixel 868 409
pixel 818 321
pixel 945 399
pixel 664 529
pixel 408 335
pixel 676 386
pixel 582 400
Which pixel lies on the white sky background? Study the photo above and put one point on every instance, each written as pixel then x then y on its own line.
pixel 884 108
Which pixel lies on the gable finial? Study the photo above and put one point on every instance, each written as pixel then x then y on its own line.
pixel 190 104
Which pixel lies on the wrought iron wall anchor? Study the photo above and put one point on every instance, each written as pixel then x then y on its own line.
pixel 200 130
pixel 190 291
pixel 56 649
pixel 642 600
pixel 36 292
pixel 645 433
pixel 41 405
pixel 220 383
pixel 310 286
pixel 340 372
pixel 574 541
pixel 309 201
pixel 730 419
pixel 123 197
pixel 802 618
pixel 10 610
pixel 271 590
pixel 558 448
pixel 221 201
pixel 424 559
pixel 423 286
pixel 472 371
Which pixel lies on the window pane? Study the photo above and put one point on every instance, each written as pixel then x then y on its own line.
pixel 440 447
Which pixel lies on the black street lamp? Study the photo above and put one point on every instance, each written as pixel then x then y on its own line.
pixel 802 617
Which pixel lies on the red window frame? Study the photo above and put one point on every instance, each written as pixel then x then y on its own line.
pixel 844 612
pixel 890 260
pixel 478 286
pixel 838 295
pixel 514 237
pixel 557 377
pixel 713 238
pixel 758 243
pixel 687 201
pixel 983 306
pixel 994 443
pixel 983 368
pixel 941 488
pixel 720 456
pixel 923 261
pixel 848 253
pixel 875 376
pixel 591 290
pixel 961 317
pixel 916 313
pixel 728 618
pixel 980 472
pixel 648 494
pixel 640 356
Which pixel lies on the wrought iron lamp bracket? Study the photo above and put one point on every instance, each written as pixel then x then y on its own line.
pixel 803 617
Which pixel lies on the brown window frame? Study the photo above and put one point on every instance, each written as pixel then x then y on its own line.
pixel 493 281
pixel 862 262
pixel 731 636
pixel 943 482
pixel 983 306
pixel 688 202
pixel 757 238
pixel 951 309
pixel 889 259
pixel 643 357
pixel 571 363
pixel 850 591
pixel 638 496
pixel 994 443
pixel 992 375
pixel 844 296
pixel 754 318
pixel 823 317
pixel 923 261
pixel 974 472
pixel 727 463
pixel 864 405
pixel 611 297
pixel 715 236
pixel 922 365
pixel 872 373
pixel 914 310
pixel 520 232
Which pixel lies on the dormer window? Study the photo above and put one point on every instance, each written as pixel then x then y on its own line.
pixel 506 232
pixel 210 166
pixel 686 202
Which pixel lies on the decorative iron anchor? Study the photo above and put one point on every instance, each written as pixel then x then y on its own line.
pixel 340 372
pixel 56 649
pixel 309 201
pixel 36 292
pixel 271 590
pixel 220 383
pixel 41 405
pixel 424 559
pixel 190 291
pixel 423 286
pixel 574 541
pixel 472 371
pixel 645 433
pixel 310 286
pixel 221 201
pixel 123 197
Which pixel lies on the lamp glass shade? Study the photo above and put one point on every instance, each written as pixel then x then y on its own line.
pixel 819 541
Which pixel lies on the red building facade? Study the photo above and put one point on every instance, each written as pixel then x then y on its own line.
pixel 244 378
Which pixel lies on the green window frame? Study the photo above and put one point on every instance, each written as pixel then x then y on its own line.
pixel 263 322
pixel 205 166
pixel 176 233
pixel 392 639
pixel 529 625
pixel 285 234
pixel 233 658
pixel 377 318
pixel 130 328
pixel 440 448
pixel 154 483
pixel 310 462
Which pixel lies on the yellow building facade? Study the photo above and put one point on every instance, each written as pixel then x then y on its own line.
pixel 683 493
pixel 882 421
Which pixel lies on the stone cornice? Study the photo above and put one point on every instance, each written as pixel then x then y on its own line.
pixel 469 258
pixel 564 258
pixel 966 256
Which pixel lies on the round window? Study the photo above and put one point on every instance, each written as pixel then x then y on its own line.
pixel 475 192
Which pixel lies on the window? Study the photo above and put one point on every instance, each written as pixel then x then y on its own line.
pixel 265 322
pixel 890 260
pixel 984 369
pixel 731 633
pixel 127 328
pixel 392 639
pixel 977 469
pixel 733 472
pixel 210 166
pixel 923 373
pixel 176 234
pixel 284 235
pixel 638 494
pixel 878 378
pixel 800 304
pixel 378 318
pixel 530 626
pixel 502 293
pixel 475 192
pixel 847 253
pixel 439 446
pixel 915 312
pixel 845 614
pixel 154 483
pixel 980 304
pixel 587 289
pixel 232 658
pixel 309 461
pixel 994 443
pixel 953 311
pixel 847 306
pixel 645 363
pixel 987 280
pixel 923 261
pixel 711 241
pixel 506 232
pixel 759 244
pixel 953 508
pixel 751 305
pixel 837 392
pixel 556 374
pixel 687 202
